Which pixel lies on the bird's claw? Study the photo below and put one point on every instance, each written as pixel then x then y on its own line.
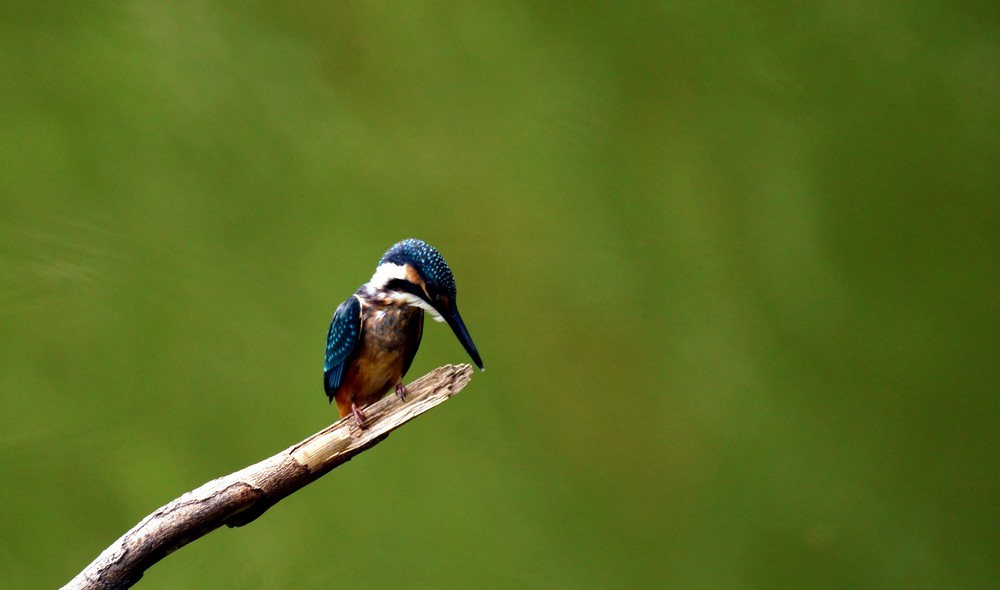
pixel 358 416
pixel 401 391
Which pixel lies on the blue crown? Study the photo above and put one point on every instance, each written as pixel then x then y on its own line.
pixel 426 260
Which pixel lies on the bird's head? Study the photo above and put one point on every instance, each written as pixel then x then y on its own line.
pixel 414 272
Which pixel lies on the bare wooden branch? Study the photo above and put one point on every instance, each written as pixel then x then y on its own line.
pixel 239 498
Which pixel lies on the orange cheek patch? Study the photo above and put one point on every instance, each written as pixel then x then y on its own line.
pixel 414 277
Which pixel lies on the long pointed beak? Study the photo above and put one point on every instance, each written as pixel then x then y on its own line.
pixel 458 327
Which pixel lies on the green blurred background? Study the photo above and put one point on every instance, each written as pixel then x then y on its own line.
pixel 734 270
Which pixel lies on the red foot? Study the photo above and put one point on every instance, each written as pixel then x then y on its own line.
pixel 358 416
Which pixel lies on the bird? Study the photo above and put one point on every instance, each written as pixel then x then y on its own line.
pixel 375 333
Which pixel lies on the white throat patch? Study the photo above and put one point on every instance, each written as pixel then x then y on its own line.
pixel 388 271
pixel 411 299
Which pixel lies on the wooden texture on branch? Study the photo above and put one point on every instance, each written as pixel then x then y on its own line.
pixel 239 498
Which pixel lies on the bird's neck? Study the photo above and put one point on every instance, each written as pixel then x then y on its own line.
pixel 375 294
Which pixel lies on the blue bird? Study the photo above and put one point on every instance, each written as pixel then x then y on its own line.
pixel 374 335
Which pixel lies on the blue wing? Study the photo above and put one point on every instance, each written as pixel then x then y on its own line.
pixel 345 327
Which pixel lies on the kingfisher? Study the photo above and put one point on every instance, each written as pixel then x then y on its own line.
pixel 374 335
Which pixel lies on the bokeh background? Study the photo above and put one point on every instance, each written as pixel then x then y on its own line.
pixel 734 269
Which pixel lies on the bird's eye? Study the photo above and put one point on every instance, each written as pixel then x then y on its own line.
pixel 429 290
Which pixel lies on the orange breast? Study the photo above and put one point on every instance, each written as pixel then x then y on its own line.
pixel 389 337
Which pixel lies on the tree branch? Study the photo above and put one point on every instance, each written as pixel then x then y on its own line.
pixel 239 498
